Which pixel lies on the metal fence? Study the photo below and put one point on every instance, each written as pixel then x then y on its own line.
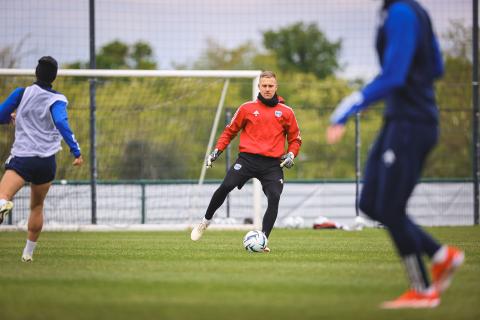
pixel 212 34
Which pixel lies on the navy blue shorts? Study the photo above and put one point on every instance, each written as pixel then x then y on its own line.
pixel 394 167
pixel 33 169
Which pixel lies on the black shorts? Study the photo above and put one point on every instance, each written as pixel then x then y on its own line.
pixel 33 169
pixel 248 166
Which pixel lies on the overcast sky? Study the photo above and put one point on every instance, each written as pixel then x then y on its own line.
pixel 178 29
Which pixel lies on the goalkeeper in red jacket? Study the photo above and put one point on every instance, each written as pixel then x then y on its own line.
pixel 265 125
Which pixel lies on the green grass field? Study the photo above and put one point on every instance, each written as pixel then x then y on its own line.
pixel 309 274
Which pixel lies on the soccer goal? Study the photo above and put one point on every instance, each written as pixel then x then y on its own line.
pixel 148 135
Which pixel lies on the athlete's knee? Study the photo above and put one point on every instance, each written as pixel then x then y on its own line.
pixel 36 208
pixel 393 219
pixel 35 220
pixel 35 227
pixel 273 195
pixel 226 186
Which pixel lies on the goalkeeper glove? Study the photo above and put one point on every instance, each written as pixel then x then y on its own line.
pixel 212 157
pixel 287 160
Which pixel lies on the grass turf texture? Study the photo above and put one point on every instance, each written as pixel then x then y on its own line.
pixel 309 274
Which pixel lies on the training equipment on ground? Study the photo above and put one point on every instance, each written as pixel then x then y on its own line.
pixel 296 222
pixel 324 223
pixel 359 224
pixel 255 241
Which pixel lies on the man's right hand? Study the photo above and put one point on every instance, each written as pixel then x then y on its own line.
pixel 212 157
pixel 335 133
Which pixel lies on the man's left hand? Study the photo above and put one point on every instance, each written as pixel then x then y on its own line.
pixel 287 160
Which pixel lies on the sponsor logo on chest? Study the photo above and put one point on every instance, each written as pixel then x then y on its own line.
pixel 278 113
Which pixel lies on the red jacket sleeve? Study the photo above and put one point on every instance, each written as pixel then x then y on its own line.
pixel 293 136
pixel 231 129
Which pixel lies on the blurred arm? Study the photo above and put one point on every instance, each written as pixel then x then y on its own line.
pixel 438 62
pixel 401 29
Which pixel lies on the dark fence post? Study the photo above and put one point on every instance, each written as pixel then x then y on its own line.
pixel 93 132
pixel 143 202
pixel 358 164
pixel 10 218
pixel 475 101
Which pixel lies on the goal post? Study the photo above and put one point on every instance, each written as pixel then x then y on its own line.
pixel 125 122
pixel 213 131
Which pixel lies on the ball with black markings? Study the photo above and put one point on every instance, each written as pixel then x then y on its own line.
pixel 255 241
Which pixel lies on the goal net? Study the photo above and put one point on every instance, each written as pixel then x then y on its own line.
pixel 153 129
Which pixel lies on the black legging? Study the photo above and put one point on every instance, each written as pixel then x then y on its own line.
pixel 271 190
pixel 267 170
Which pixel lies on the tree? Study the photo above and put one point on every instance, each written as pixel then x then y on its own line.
pixel 113 55
pixel 304 48
pixel 217 57
pixel 459 37
pixel 142 56
pixel 119 55
pixel 10 56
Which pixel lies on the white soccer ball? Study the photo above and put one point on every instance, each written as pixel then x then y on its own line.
pixel 293 222
pixel 255 241
pixel 289 222
pixel 359 223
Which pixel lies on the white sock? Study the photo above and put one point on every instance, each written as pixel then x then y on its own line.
pixel 414 273
pixel 206 221
pixel 440 255
pixel 430 290
pixel 29 247
pixel 2 202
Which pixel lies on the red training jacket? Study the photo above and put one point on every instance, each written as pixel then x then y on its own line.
pixel 264 130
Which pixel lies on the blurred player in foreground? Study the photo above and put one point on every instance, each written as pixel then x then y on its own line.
pixel 410 60
pixel 265 124
pixel 40 117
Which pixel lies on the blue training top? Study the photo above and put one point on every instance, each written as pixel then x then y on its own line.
pixel 410 59
pixel 58 111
